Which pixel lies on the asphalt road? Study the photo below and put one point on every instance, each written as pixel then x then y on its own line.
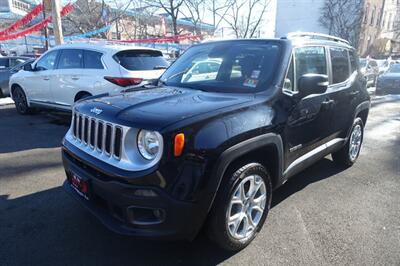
pixel 323 216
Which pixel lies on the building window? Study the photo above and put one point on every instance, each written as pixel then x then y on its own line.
pixel 389 22
pixel 366 14
pixel 372 17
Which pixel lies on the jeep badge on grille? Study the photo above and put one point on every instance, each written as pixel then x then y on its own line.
pixel 96 111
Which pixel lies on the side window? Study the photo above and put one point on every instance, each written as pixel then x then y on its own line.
pixel 340 65
pixel 289 80
pixel 47 62
pixel 92 60
pixel 310 60
pixel 4 63
pixel 353 61
pixel 70 59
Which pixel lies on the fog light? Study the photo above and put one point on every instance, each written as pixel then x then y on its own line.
pixel 145 216
pixel 145 193
pixel 158 214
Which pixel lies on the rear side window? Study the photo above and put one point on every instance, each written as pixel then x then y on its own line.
pixel 340 65
pixel 92 60
pixel 353 61
pixel 141 60
pixel 70 59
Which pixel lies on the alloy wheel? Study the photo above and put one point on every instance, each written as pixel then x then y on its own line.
pixel 355 142
pixel 246 207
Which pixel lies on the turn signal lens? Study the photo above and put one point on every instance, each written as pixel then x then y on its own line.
pixel 179 144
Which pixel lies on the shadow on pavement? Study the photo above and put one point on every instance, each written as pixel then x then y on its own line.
pixel 49 227
pixel 323 169
pixel 38 130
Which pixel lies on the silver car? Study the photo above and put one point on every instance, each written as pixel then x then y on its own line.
pixel 389 82
pixel 6 70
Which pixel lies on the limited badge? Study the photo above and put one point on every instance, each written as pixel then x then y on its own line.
pixel 255 74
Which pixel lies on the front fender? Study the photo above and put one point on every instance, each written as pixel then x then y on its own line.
pixel 239 150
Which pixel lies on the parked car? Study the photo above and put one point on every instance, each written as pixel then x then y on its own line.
pixel 6 74
pixel 69 73
pixel 167 160
pixel 370 69
pixel 389 82
pixel 7 62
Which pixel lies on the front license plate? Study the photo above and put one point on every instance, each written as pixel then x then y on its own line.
pixel 80 185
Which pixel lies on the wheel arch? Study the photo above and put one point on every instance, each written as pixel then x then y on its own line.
pixel 80 94
pixel 266 149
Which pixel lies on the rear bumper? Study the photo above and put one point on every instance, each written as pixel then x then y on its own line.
pixel 117 206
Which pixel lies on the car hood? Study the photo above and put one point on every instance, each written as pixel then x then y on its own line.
pixel 159 107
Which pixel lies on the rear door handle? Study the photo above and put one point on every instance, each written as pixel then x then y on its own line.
pixel 46 78
pixel 354 93
pixel 75 77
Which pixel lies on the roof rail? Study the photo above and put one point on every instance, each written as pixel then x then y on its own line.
pixel 315 35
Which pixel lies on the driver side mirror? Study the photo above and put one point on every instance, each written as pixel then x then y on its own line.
pixel 312 84
pixel 28 67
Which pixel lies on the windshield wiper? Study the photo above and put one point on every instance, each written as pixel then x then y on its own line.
pixel 159 67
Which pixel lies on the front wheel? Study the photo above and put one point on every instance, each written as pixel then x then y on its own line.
pixel 21 104
pixel 348 155
pixel 241 207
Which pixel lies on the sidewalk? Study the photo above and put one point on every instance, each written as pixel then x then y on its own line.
pixel 5 101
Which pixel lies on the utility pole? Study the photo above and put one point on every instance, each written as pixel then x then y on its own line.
pixel 58 34
pixel 46 30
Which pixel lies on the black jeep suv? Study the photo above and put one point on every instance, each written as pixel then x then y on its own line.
pixel 227 123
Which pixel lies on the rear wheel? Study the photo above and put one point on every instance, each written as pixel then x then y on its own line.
pixel 348 155
pixel 21 104
pixel 241 207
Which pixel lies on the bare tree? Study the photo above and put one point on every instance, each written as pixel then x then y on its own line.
pixel 244 17
pixel 90 15
pixel 171 7
pixel 195 10
pixel 218 9
pixel 343 18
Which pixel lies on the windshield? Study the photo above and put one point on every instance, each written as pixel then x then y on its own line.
pixel 394 69
pixel 141 60
pixel 238 66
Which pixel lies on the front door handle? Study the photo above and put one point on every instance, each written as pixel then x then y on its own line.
pixel 46 78
pixel 75 78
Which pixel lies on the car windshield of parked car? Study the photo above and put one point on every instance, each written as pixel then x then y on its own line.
pixel 137 60
pixel 394 69
pixel 239 66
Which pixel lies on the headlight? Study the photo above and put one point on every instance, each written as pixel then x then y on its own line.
pixel 149 144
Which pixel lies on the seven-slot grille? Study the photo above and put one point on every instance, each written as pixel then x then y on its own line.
pixel 98 134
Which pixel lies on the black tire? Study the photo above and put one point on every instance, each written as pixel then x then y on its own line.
pixel 343 157
pixel 21 104
pixel 217 226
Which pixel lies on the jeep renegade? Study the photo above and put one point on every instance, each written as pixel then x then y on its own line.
pixel 226 124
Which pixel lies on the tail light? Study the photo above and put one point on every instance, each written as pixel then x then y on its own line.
pixel 124 82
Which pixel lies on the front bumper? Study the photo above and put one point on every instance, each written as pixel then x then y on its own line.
pixel 116 205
